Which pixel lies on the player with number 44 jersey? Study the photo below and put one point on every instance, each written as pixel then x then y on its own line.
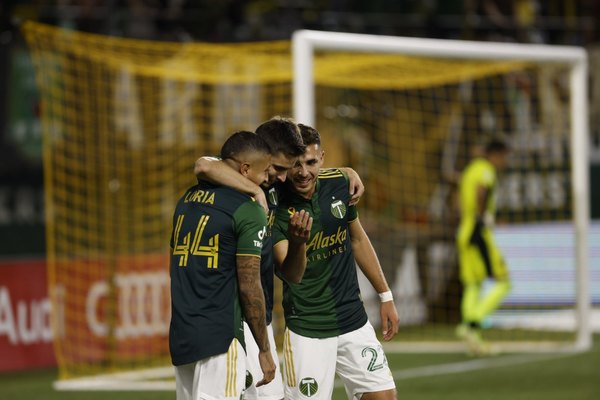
pixel 216 249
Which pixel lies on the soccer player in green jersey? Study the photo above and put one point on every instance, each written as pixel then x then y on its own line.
pixel 283 136
pixel 216 247
pixel 479 256
pixel 327 329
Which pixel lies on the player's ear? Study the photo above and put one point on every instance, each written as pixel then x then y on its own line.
pixel 244 169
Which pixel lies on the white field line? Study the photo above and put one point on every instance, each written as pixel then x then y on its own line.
pixel 471 365
pixel 138 380
pixel 460 347
pixel 131 380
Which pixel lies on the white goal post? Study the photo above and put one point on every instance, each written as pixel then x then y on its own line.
pixel 307 42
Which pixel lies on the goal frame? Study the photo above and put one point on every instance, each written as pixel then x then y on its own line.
pixel 306 42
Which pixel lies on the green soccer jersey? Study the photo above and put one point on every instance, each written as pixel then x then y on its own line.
pixel 266 261
pixel 211 226
pixel 327 302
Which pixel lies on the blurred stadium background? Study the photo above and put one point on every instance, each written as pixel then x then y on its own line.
pixel 104 221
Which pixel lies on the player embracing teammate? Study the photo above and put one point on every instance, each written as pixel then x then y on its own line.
pixel 327 329
pixel 313 223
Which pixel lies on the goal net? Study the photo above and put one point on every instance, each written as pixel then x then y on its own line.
pixel 408 114
pixel 123 122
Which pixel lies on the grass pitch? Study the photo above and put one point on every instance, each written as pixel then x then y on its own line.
pixel 448 376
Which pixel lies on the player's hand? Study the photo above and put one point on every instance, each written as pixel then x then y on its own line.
pixel 262 200
pixel 355 185
pixel 299 227
pixel 198 168
pixel 389 320
pixel 267 365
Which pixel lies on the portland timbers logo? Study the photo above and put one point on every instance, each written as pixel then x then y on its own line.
pixel 273 196
pixel 338 209
pixel 248 379
pixel 308 386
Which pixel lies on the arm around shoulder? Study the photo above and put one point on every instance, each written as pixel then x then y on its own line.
pixel 355 185
pixel 203 168
pixel 216 171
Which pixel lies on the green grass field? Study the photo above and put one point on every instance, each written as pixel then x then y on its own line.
pixel 418 377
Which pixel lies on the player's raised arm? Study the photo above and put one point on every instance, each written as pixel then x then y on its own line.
pixel 252 301
pixel 367 260
pixel 216 171
pixel 290 255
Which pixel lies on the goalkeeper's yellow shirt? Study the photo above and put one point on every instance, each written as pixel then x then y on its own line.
pixel 479 172
pixel 479 255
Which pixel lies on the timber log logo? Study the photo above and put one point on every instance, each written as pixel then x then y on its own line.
pixel 308 386
pixel 338 209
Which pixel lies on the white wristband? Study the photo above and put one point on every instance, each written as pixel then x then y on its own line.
pixel 386 296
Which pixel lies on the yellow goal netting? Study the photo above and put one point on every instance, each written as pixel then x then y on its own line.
pixel 123 123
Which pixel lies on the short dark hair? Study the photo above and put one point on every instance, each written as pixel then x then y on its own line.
pixel 309 135
pixel 241 142
pixel 282 135
pixel 496 145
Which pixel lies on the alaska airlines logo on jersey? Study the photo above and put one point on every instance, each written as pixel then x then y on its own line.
pixel 338 209
pixel 200 196
pixel 319 241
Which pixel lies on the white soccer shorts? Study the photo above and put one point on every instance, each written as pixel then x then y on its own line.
pixel 215 378
pixel 274 389
pixel 310 365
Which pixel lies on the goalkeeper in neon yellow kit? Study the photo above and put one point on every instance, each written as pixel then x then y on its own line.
pixel 479 257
